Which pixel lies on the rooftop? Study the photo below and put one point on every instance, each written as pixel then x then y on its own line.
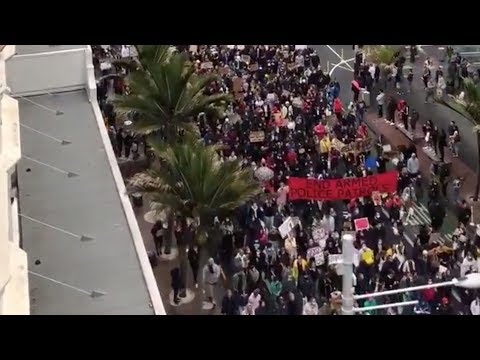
pixel 35 49
pixel 57 210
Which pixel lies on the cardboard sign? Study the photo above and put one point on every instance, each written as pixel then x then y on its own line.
pixel 291 66
pixel 335 259
pixel 286 227
pixel 317 254
pixel 246 59
pixel 206 65
pixel 341 189
pixel 387 148
pixel 253 67
pixel 237 84
pixel 320 235
pixel 193 48
pixel 224 70
pixel 361 224
pixel 257 136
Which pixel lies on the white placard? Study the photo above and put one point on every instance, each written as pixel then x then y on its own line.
pixel 316 253
pixel 286 227
pixel 335 259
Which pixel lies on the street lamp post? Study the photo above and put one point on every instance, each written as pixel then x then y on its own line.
pixel 347 283
pixel 470 281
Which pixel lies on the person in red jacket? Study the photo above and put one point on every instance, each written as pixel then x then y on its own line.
pixel 362 132
pixel 429 294
pixel 320 130
pixel 291 157
pixel 338 108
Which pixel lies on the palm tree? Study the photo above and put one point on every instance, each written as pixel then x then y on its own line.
pixel 147 54
pixel 166 94
pixel 468 106
pixel 384 56
pixel 194 184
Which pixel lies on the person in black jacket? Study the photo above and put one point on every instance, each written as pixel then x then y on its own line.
pixel 464 213
pixel 157 233
pixel 442 144
pixel 193 259
pixel 176 283
pixel 229 305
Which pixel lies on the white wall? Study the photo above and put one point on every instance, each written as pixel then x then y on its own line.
pixel 14 298
pixel 57 71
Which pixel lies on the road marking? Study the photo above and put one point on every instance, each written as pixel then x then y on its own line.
pixel 342 60
pixel 407 237
pixel 339 65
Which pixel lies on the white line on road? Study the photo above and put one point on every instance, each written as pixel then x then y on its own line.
pixel 339 65
pixel 343 62
pixel 338 55
pixel 405 235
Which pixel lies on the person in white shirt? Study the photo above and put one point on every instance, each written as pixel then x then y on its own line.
pixel 371 70
pixel 475 306
pixel 441 86
pixel 380 102
pixel 413 166
pixel 254 300
pixel 429 91
pixel 310 307
pixel 248 310
pixel 468 264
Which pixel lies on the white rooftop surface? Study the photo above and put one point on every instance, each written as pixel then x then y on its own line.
pixel 88 204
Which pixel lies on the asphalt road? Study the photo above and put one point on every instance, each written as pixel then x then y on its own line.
pixel 338 61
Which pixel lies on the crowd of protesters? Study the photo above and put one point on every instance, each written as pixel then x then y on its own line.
pixel 287 121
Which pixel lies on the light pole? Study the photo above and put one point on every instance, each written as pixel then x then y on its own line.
pixel 347 283
pixel 470 281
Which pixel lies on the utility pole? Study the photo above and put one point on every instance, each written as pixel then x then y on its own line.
pixel 347 284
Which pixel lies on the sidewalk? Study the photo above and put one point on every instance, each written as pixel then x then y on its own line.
pixel 396 138
pixel 162 275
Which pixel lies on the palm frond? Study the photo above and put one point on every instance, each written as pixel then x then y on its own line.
pixel 167 95
pixel 197 183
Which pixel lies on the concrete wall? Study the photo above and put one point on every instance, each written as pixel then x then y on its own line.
pixel 14 297
pixel 58 71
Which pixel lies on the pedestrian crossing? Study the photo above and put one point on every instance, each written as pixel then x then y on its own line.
pixel 420 216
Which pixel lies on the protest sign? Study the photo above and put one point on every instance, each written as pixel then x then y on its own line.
pixel 206 65
pixel 335 259
pixel 257 136
pixel 291 66
pixel 361 224
pixel 341 189
pixel 246 58
pixel 193 48
pixel 253 67
pixel 224 70
pixel 286 227
pixel 320 235
pixel 317 254
pixel 237 84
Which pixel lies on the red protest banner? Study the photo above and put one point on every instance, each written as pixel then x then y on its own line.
pixel 341 189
